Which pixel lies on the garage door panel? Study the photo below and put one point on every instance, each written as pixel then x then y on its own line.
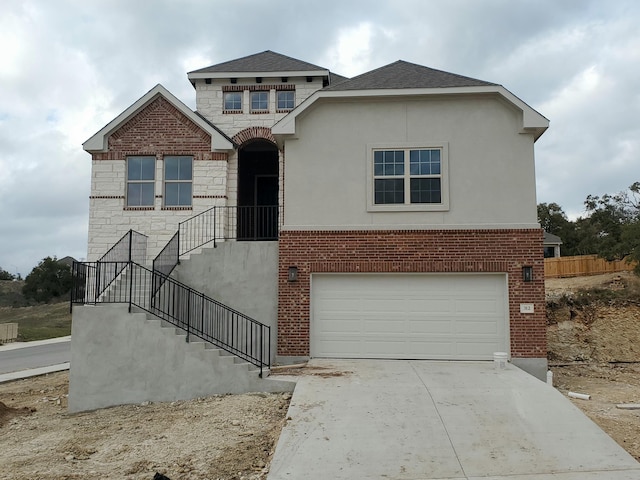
pixel 477 306
pixel 430 316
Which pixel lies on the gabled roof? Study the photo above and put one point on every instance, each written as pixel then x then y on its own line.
pixel 403 74
pixel 404 79
pixel 263 64
pixel 551 239
pixel 99 141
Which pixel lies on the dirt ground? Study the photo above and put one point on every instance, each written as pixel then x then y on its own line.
pixel 220 437
pixel 592 349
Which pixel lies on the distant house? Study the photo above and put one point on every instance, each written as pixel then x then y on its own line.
pixel 390 215
pixel 551 244
pixel 67 261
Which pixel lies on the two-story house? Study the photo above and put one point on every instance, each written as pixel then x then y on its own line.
pixel 390 215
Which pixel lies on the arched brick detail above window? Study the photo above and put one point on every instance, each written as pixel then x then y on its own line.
pixel 253 133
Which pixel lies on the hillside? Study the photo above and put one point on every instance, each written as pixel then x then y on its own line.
pixel 594 319
pixel 35 322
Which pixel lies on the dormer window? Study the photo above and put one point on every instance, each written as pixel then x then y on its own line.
pixel 233 101
pixel 259 101
pixel 286 100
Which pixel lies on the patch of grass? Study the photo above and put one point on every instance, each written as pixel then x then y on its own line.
pixel 11 294
pixel 39 322
pixel 35 322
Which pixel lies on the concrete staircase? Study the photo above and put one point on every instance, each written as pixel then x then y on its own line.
pixel 121 358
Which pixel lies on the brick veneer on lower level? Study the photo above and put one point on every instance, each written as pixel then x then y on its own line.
pixel 441 251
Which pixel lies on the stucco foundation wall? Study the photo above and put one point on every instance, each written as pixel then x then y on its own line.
pixel 482 251
pixel 241 275
pixel 118 358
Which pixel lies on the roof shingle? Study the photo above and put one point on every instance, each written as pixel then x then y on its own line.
pixel 266 61
pixel 401 74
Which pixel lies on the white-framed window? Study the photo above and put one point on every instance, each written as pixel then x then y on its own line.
pixel 178 181
pixel 260 101
pixel 408 177
pixel 141 175
pixel 233 101
pixel 286 99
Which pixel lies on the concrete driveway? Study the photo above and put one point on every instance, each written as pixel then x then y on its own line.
pixel 394 419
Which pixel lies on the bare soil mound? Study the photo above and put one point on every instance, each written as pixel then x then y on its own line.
pixel 593 338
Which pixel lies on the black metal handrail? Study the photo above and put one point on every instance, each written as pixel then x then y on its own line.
pixel 132 247
pixel 256 222
pixel 167 259
pixel 192 311
pixel 216 223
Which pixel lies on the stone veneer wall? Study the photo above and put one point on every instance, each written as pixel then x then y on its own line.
pixel 441 251
pixel 159 129
pixel 209 101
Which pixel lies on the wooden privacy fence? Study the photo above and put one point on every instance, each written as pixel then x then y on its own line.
pixel 583 265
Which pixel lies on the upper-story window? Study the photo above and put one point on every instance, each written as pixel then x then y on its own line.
pixel 141 181
pixel 233 101
pixel 286 100
pixel 178 177
pixel 259 101
pixel 409 178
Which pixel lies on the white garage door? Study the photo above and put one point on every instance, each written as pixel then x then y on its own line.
pixel 410 316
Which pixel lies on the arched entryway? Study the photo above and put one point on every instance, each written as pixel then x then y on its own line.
pixel 258 191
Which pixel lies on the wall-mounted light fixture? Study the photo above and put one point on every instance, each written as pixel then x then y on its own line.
pixel 527 274
pixel 293 274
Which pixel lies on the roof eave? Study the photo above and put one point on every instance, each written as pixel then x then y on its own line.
pixel 100 141
pixel 533 122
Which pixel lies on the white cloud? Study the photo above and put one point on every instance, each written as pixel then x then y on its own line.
pixel 71 66
pixel 350 55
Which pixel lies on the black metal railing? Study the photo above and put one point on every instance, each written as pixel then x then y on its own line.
pixel 167 259
pixel 197 314
pixel 229 223
pixel 132 247
pixel 216 223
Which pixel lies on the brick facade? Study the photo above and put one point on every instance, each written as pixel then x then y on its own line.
pixel 437 251
pixel 160 128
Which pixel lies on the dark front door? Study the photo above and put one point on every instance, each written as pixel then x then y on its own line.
pixel 257 209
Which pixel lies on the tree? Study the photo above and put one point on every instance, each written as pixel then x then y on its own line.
pixel 49 279
pixel 553 220
pixel 614 221
pixel 4 275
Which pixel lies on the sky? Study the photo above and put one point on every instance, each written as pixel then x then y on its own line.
pixel 68 67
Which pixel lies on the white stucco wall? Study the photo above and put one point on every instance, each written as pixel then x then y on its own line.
pixel 209 102
pixel 491 165
pixel 109 220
